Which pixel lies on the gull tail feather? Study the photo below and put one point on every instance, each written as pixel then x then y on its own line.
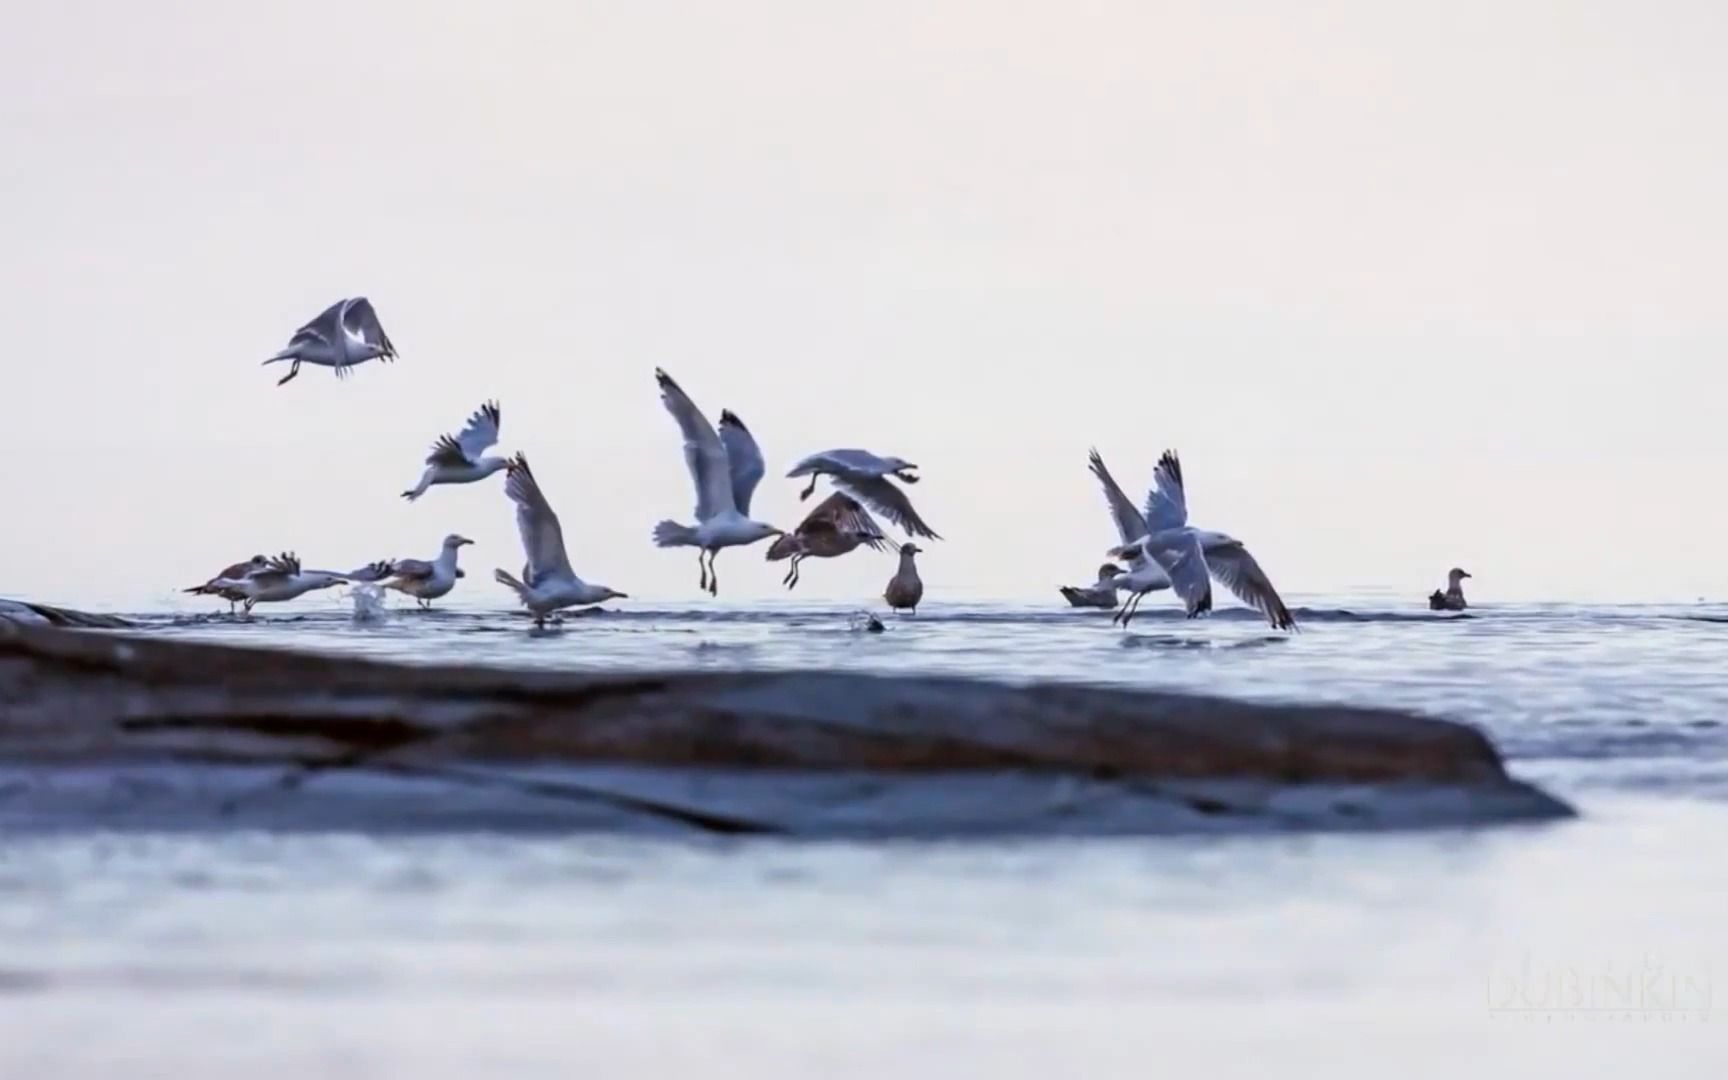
pixel 503 577
pixel 672 534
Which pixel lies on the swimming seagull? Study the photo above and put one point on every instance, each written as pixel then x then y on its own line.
pixel 1453 598
pixel 547 583
pixel 344 334
pixel 864 476
pixel 905 588
pixel 216 587
pixel 1143 575
pixel 837 526
pixel 424 580
pixel 1101 595
pixel 725 467
pixel 459 459
pixel 280 579
pixel 1191 557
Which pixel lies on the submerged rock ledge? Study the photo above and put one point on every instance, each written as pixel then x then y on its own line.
pixel 197 731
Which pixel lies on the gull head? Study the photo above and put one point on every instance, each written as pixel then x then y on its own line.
pixel 456 540
pixel 1456 575
pixel 911 549
pixel 1109 570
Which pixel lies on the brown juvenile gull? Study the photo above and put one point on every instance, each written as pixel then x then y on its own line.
pixel 725 467
pixel 1191 557
pixel 837 526
pixel 1453 598
pixel 281 578
pixel 461 458
pixel 227 591
pixel 344 334
pixel 905 588
pixel 865 476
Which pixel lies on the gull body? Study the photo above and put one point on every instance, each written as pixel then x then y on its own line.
pixel 1190 558
pixel 838 526
pixel 1100 595
pixel 725 467
pixel 1142 575
pixel 548 584
pixel 427 580
pixel 1453 598
pixel 344 334
pixel 461 458
pixel 865 476
pixel 905 589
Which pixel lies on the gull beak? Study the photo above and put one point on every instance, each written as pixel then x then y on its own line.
pixel 463 541
pixel 616 595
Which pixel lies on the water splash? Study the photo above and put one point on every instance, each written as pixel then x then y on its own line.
pixel 368 603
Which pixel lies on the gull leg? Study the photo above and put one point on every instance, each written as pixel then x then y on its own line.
pixel 702 563
pixel 713 574
pixel 293 370
pixel 811 490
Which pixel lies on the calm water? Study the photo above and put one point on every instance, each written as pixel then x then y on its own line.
pixel 494 955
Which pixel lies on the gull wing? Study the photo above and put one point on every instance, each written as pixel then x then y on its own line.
pixel 1130 525
pixel 743 459
pixel 885 498
pixel 542 536
pixel 360 319
pixel 1167 502
pixel 704 453
pixel 475 438
pixel 1179 555
pixel 1232 565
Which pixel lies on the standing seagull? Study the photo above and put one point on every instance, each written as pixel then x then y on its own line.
pixel 905 588
pixel 837 526
pixel 221 584
pixel 1191 557
pixel 864 476
pixel 458 459
pixel 548 583
pixel 427 581
pixel 1143 575
pixel 346 333
pixel 726 467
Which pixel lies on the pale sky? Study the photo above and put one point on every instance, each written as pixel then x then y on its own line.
pixel 1407 285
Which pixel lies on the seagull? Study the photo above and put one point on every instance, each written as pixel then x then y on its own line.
pixel 725 467
pixel 864 476
pixel 280 579
pixel 426 581
pixel 1191 557
pixel 458 459
pixel 1142 575
pixel 226 592
pixel 547 582
pixel 837 526
pixel 1453 598
pixel 1101 595
pixel 905 588
pixel 344 334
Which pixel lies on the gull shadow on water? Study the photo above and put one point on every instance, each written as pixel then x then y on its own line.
pixel 1172 642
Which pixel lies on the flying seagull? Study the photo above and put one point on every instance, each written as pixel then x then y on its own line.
pixel 865 477
pixel 221 584
pixel 547 583
pixel 837 526
pixel 461 458
pixel 1142 574
pixel 280 579
pixel 725 468
pixel 344 334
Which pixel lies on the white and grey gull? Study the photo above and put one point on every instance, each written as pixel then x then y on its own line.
pixel 870 479
pixel 462 458
pixel 344 334
pixel 424 579
pixel 725 467
pixel 1143 575
pixel 548 584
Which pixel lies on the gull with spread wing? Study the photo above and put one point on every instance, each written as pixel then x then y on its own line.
pixel 221 585
pixel 279 579
pixel 1191 557
pixel 548 583
pixel 461 458
pixel 725 466
pixel 345 334
pixel 865 476
pixel 1143 575
pixel 836 527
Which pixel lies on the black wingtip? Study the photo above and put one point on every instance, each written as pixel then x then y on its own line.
pixel 1171 462
pixel 663 379
pixel 727 416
